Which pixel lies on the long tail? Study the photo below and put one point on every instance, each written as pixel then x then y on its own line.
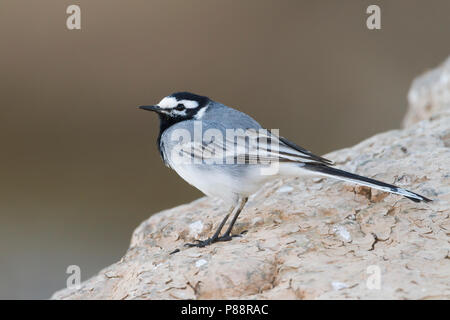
pixel 347 176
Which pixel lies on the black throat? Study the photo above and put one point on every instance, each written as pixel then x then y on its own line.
pixel 164 123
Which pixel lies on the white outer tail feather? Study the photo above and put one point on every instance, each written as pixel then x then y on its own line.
pixel 350 177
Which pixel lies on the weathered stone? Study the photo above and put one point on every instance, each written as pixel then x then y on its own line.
pixel 429 95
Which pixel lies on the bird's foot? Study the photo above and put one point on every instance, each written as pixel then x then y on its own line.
pixel 207 242
pixel 200 243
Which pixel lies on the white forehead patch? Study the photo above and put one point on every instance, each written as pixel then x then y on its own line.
pixel 168 103
pixel 171 102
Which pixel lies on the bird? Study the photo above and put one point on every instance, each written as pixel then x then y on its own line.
pixel 225 153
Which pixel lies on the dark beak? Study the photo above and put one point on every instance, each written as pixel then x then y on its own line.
pixel 151 108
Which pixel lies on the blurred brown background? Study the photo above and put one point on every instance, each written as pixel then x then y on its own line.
pixel 79 168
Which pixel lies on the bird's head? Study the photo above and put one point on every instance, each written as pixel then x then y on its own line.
pixel 180 106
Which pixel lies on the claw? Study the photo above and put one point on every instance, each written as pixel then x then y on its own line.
pixel 200 243
pixel 207 242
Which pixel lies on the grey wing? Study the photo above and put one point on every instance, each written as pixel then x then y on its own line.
pixel 282 150
pixel 245 146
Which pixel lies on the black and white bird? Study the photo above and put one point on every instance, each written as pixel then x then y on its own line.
pixel 198 140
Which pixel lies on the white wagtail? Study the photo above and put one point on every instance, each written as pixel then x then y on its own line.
pixel 233 168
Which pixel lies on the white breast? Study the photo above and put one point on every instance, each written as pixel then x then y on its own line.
pixel 213 183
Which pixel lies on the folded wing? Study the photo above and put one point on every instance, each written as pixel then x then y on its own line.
pixel 250 146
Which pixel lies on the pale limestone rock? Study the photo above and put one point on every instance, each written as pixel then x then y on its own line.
pixel 429 95
pixel 311 238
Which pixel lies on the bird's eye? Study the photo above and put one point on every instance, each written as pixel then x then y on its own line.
pixel 179 107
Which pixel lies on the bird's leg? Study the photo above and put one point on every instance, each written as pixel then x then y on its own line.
pixel 227 235
pixel 203 243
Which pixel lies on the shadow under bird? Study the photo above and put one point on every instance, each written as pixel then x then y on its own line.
pixel 234 181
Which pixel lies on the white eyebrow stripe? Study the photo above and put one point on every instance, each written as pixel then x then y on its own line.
pixel 189 104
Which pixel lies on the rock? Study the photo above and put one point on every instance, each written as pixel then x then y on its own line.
pixel 429 95
pixel 311 238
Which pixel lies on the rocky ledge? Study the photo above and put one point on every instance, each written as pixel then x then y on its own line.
pixel 312 238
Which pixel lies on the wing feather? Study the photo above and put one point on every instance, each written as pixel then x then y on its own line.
pixel 254 146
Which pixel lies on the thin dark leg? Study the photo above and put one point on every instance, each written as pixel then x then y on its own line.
pixel 227 235
pixel 217 233
pixel 202 243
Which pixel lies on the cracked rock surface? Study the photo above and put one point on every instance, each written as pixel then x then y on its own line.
pixel 312 238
